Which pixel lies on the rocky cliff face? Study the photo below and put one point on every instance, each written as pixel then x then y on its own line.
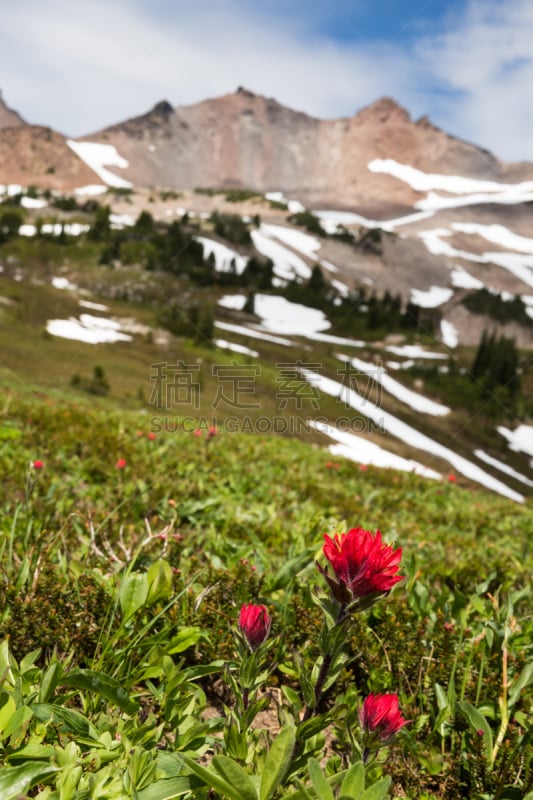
pixel 250 141
pixel 246 140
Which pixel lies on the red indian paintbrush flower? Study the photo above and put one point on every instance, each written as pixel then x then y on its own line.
pixel 37 464
pixel 255 623
pixel 381 715
pixel 363 564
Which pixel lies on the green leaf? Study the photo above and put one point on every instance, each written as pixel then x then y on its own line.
pixel 442 698
pixel 236 775
pixel 478 723
pixel 19 718
pixel 187 637
pixel 212 779
pixel 378 790
pixel 103 685
pixel 167 788
pixel 133 593
pixel 50 681
pixel 159 578
pixel 320 784
pixel 523 680
pixel 16 781
pixel 39 752
pixel 73 721
pixel 277 762
pixel 7 709
pixel 353 784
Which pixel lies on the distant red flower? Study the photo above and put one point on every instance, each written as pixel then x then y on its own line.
pixel 151 436
pixel 255 623
pixel 362 564
pixel 381 715
pixel 452 478
pixel 332 465
pixel 363 467
pixel 37 464
pixel 197 432
pixel 212 431
pixel 121 463
pixel 139 434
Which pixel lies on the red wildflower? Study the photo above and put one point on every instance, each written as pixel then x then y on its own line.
pixel 452 478
pixel 380 714
pixel 362 563
pixel 363 467
pixel 212 431
pixel 151 436
pixel 197 432
pixel 121 463
pixel 255 623
pixel 37 464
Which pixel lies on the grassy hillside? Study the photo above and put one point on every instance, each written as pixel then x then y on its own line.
pixel 130 556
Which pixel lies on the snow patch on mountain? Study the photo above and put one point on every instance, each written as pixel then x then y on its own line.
pixel 223 255
pixel 412 399
pixel 432 298
pixel 362 451
pixel 408 434
pixel 98 156
pixel 287 265
pixel 449 333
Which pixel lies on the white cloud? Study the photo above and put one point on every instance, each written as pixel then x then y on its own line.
pixel 485 59
pixel 80 66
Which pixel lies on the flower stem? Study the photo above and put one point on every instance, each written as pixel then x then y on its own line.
pixel 323 674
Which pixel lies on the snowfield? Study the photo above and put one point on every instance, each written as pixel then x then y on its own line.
pixel 413 351
pixel 412 399
pixel 519 264
pixel 432 298
pixel 88 329
pixel 33 202
pixel 424 182
pixel 236 348
pixel 497 234
pixel 287 265
pixel 449 333
pixel 303 242
pixel 408 434
pixel 99 156
pixel 494 462
pixel 461 279
pixel 223 255
pixel 520 440
pixel 252 333
pixel 63 283
pixel 362 451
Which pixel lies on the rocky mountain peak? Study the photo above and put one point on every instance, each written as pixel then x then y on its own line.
pixel 8 117
pixel 163 108
pixel 382 111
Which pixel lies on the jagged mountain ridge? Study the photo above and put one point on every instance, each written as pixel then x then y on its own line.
pixel 246 140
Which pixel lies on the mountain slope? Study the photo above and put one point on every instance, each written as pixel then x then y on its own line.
pixel 34 155
pixel 246 140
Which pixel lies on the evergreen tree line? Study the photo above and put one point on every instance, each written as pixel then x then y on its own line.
pixel 493 305
pixel 497 363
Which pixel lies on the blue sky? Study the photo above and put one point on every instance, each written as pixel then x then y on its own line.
pixel 468 64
